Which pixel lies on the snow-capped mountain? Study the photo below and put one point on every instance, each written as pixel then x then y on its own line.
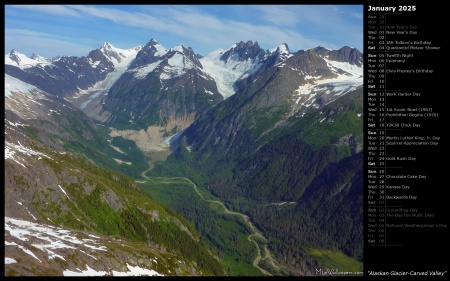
pixel 160 85
pixel 119 57
pixel 242 112
pixel 312 77
pixel 68 76
pixel 62 77
pixel 283 52
pixel 337 73
pixel 90 100
pixel 284 88
pixel 144 73
pixel 241 60
pixel 168 63
pixel 230 65
pixel 22 61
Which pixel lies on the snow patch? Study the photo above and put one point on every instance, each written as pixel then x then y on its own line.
pixel 342 84
pixel 88 272
pixel 137 271
pixel 10 260
pixel 14 85
pixel 141 72
pixel 63 191
pixel 227 73
pixel 209 92
pixel 12 149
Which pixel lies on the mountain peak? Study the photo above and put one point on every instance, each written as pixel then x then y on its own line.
pixel 111 52
pixel 22 61
pixel 180 48
pixel 14 56
pixel 106 45
pixel 155 48
pixel 347 54
pixel 282 49
pixel 153 43
pixel 243 51
pixel 247 44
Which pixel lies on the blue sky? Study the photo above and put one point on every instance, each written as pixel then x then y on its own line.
pixel 75 30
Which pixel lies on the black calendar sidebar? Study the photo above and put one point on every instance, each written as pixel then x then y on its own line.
pixel 406 155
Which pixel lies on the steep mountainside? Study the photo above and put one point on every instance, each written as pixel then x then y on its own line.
pixel 94 217
pixel 267 143
pixel 273 97
pixel 58 124
pixel 292 129
pixel 158 86
pixel 63 76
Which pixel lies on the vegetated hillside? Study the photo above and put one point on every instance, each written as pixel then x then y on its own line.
pixel 288 136
pixel 49 180
pixel 61 189
pixel 328 216
pixel 297 152
pixel 59 125
pixel 314 163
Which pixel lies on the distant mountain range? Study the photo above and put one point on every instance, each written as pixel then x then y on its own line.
pixel 252 127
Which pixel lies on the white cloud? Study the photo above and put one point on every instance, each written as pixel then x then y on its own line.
pixel 43 46
pixel 57 10
pixel 300 26
pixel 278 15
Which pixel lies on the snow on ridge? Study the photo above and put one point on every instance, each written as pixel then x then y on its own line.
pixel 48 238
pixel 231 47
pixel 209 92
pixel 11 149
pixel 23 249
pixel 355 71
pixel 141 72
pixel 216 54
pixel 282 49
pixel 39 58
pixel 119 68
pixel 338 86
pixel 226 73
pixel 177 66
pixel 178 48
pixel 160 50
pixel 126 56
pixel 13 85
pixel 24 61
